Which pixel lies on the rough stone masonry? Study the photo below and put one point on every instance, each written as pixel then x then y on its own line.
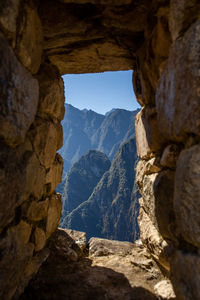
pixel 42 40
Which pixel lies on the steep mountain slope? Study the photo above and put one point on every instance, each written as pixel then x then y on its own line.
pixel 112 208
pixel 82 178
pixel 115 129
pixel 84 130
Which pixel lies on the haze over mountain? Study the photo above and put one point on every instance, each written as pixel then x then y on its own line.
pixel 86 130
pixel 111 209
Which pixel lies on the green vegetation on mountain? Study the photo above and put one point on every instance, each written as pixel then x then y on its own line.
pixel 82 179
pixel 84 130
pixel 111 209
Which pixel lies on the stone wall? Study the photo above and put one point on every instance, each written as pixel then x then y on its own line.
pixel 31 108
pixel 40 41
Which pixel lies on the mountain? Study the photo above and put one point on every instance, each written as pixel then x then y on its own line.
pixel 84 130
pixel 82 179
pixel 112 207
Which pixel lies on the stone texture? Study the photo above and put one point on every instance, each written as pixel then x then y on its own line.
pixel 185 274
pixel 147 167
pixel 148 139
pixel 16 251
pixel 164 290
pixel 103 2
pixel 104 247
pixel 8 17
pixel 170 156
pixel 187 193
pixel 54 174
pixel 29 39
pixel 34 176
pixel 30 270
pixel 54 214
pixel 63 246
pixel 46 138
pixel 177 103
pixel 52 98
pixel 19 97
pixel 115 276
pixel 151 238
pixel 182 14
pixel 157 193
pixel 40 239
pixel 79 238
pixel 38 210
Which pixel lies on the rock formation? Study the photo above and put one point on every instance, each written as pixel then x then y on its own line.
pixel 40 41
pixel 85 174
pixel 110 270
pixel 111 209
pixel 84 130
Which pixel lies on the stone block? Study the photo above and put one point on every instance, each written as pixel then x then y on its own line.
pixel 185 275
pixel 38 210
pixel 40 239
pixel 54 214
pixel 54 174
pixel 45 136
pixel 182 14
pixel 16 252
pixel 164 290
pixel 148 138
pixel 159 248
pixel 52 97
pixel 170 156
pixel 19 94
pixel 79 238
pixel 62 245
pixel 157 193
pixel 30 39
pixel 178 93
pixel 147 167
pixel 9 10
pixel 34 176
pixel 187 194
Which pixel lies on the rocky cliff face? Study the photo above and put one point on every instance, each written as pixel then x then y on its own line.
pixel 112 208
pixel 82 179
pixel 40 41
pixel 85 129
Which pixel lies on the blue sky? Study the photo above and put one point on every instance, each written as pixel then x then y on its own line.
pixel 100 91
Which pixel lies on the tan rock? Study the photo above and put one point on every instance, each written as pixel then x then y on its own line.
pixel 79 238
pixel 30 270
pixel 187 193
pixel 182 14
pixel 40 239
pixel 54 214
pixel 170 156
pixel 104 247
pixel 30 39
pixel 62 245
pixel 148 139
pixel 147 167
pixel 52 97
pixel 34 176
pixel 164 290
pixel 16 252
pixel 157 193
pixel 22 91
pixel 8 17
pixel 54 174
pixel 44 136
pixel 38 210
pixel 185 274
pixel 177 103
pixel 151 238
